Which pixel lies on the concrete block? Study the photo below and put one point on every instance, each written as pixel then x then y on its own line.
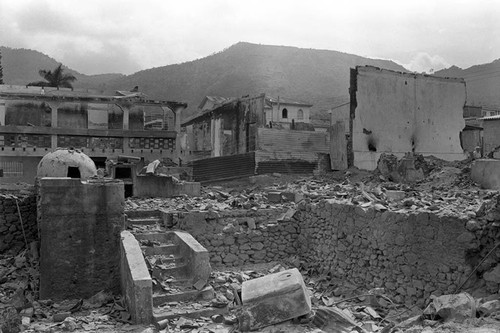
pixel 274 197
pixel 272 299
pixel 198 259
pixel 288 196
pixel 486 173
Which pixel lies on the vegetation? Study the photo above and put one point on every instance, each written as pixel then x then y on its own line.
pixel 56 78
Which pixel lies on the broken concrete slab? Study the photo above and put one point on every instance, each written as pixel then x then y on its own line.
pixel 272 299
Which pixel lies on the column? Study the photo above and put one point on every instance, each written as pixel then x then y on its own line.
pixel 53 107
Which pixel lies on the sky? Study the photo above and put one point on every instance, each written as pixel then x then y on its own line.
pixel 124 36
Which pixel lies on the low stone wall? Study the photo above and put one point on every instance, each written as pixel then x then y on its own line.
pixel 11 229
pixel 411 255
pixel 242 236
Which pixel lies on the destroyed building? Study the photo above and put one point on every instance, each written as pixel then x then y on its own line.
pixel 37 120
pixel 235 139
pixel 388 244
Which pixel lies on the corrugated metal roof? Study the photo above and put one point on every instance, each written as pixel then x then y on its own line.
pixel 491 117
pixel 285 100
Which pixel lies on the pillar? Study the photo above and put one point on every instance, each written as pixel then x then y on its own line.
pixel 53 107
pixel 80 224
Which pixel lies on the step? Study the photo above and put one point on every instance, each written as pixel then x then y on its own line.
pixel 160 237
pixel 188 294
pixel 143 213
pixel 187 310
pixel 175 271
pixel 143 221
pixel 163 249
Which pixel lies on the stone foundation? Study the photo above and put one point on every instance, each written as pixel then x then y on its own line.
pixel 242 236
pixel 11 229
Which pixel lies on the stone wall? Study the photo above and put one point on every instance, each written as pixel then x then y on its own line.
pixel 11 229
pixel 411 255
pixel 80 224
pixel 242 236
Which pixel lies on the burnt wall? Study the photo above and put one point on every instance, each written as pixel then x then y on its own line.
pixel 80 225
pixel 14 221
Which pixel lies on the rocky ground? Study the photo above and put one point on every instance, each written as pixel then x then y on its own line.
pixel 338 306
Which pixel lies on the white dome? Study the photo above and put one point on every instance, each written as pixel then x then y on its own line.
pixel 59 162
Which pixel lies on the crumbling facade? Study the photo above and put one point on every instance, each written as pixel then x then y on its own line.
pixel 35 121
pixel 240 128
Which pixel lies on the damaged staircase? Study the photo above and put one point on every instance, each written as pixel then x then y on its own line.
pixel 178 268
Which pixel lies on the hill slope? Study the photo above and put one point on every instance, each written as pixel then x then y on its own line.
pixel 315 76
pixel 483 82
pixel 21 66
pixel 320 77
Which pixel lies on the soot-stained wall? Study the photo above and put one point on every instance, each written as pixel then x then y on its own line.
pixel 399 113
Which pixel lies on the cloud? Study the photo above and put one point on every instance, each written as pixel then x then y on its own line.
pixel 423 62
pixel 107 57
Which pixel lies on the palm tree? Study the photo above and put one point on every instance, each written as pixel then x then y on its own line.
pixel 54 78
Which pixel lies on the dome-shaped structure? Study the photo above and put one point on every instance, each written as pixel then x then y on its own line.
pixel 66 163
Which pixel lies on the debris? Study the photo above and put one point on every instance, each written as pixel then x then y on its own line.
pixel 58 317
pixel 332 319
pixel 456 307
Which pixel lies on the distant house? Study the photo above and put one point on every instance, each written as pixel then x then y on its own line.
pixel 286 110
pixel 237 139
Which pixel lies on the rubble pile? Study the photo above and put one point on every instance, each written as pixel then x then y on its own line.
pixel 446 189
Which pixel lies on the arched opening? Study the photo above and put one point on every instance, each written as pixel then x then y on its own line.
pixel 284 114
pixel 300 115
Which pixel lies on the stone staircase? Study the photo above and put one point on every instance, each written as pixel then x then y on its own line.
pixel 179 268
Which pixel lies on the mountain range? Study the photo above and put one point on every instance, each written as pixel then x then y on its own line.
pixel 320 77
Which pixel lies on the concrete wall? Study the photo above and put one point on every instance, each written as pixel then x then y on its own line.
pixel 23 169
pixel 80 225
pixel 163 187
pixel 401 112
pixel 471 139
pixel 13 228
pixel 491 135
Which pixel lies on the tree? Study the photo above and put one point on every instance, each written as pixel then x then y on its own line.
pixel 56 78
pixel 1 69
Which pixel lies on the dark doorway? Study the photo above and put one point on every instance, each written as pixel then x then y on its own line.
pixel 123 173
pixel 129 190
pixel 73 172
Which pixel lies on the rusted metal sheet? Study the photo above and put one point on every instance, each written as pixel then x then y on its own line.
pixel 224 167
pixel 286 166
pixel 274 140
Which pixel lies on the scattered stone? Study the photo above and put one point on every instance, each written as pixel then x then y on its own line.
pixel 456 307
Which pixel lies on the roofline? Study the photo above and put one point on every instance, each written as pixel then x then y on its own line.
pixel 98 99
